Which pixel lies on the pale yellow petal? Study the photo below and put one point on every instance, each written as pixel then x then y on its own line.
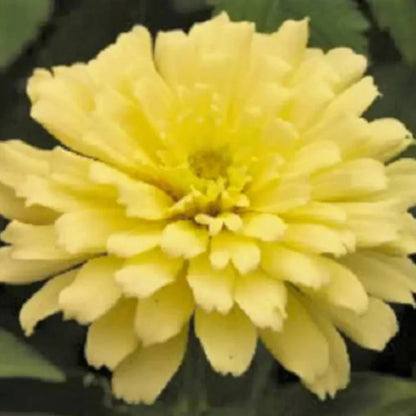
pixel 212 288
pixel 229 341
pixel 349 65
pixel 142 376
pixel 354 100
pixel 88 231
pixel 318 238
pixel 143 275
pixel 19 159
pixel 337 375
pixel 164 314
pixel 44 302
pixel 141 238
pixel 262 298
pixel 344 288
pixel 33 242
pixel 93 292
pixel 265 227
pixel 111 337
pixel 18 272
pixel 380 278
pixel 141 199
pixel 243 252
pixel 350 180
pixel 294 266
pixel 320 212
pixel 14 208
pixel 300 346
pixel 289 42
pixel 184 239
pixel 372 330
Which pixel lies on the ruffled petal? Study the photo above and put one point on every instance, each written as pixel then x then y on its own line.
pixel 111 338
pixel 45 302
pixel 229 341
pixel 93 292
pixel 171 307
pixel 212 289
pixel 142 376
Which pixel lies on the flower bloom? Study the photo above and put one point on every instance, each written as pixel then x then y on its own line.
pixel 225 177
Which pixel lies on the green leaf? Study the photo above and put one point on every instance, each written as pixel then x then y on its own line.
pixel 367 395
pixel 188 6
pixel 17 359
pixel 19 23
pixel 397 84
pixel 332 22
pixel 398 17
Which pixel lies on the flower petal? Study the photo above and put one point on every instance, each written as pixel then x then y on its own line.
pixel 143 275
pixel 380 279
pixel 140 239
pixel 142 376
pixel 44 302
pixel 184 239
pixel 171 307
pixel 93 292
pixel 318 239
pixel 262 298
pixel 344 288
pixel 229 341
pixel 27 271
pixel 13 207
pixel 111 338
pixel 265 227
pixel 33 242
pixel 294 266
pixel 300 346
pixel 372 330
pixel 88 231
pixel 338 373
pixel 242 251
pixel 212 288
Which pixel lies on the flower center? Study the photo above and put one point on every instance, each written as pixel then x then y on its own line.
pixel 209 164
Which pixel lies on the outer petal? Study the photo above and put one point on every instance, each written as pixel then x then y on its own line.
pixel 262 298
pixel 380 279
pixel 319 238
pixel 338 373
pixel 44 302
pixel 144 374
pixel 371 330
pixel 143 275
pixel 229 341
pixel 111 338
pixel 212 289
pixel 13 207
pixel 33 242
pixel 27 271
pixel 170 309
pixel 88 231
pixel 93 292
pixel 300 346
pixel 344 289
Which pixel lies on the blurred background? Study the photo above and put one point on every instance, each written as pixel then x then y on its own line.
pixel 47 374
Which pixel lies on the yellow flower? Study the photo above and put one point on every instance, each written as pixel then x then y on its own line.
pixel 226 177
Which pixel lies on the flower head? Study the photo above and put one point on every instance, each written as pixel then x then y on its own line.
pixel 227 177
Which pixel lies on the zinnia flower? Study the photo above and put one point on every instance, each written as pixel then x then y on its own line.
pixel 226 177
